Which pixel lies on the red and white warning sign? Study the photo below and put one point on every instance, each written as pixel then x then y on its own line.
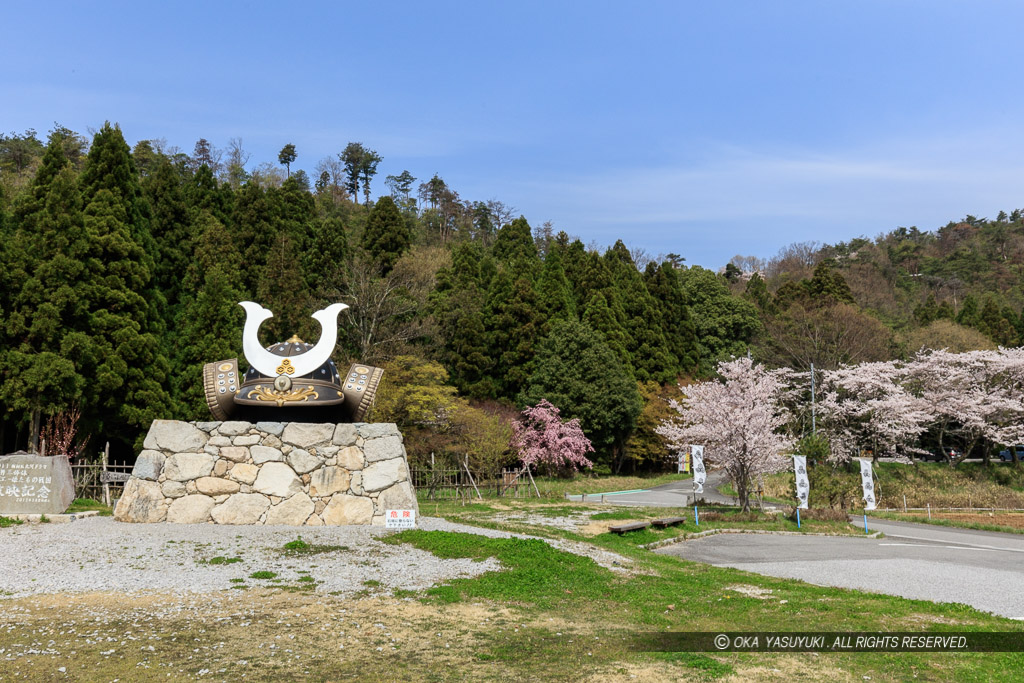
pixel 400 519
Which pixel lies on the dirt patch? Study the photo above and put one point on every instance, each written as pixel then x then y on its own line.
pixel 751 591
pixel 1014 520
pixel 802 667
pixel 602 526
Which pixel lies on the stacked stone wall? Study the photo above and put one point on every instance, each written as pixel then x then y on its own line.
pixel 291 473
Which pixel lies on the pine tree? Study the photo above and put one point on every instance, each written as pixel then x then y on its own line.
pixel 386 237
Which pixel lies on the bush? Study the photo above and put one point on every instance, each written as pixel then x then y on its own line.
pixel 820 515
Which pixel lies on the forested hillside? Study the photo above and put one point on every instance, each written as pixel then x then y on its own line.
pixel 122 269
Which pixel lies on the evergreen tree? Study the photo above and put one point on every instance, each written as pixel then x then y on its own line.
pixel 610 322
pixel 680 334
pixel 725 324
pixel 281 289
pixel 131 372
pixel 511 321
pixel 514 244
pixel 209 328
pixel 387 236
pixel 969 316
pixel 757 293
pixel 171 227
pixel 827 283
pixel 457 306
pixel 553 290
pixel 44 316
pixel 255 232
pixel 576 371
pixel 325 261
pixel 645 336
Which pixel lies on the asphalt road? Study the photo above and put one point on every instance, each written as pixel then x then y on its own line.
pixel 979 568
pixel 674 494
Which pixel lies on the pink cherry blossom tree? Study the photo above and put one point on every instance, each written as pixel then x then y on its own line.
pixel 542 437
pixel 739 420
pixel 867 406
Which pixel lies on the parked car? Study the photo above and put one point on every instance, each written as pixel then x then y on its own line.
pixel 935 455
pixel 1006 454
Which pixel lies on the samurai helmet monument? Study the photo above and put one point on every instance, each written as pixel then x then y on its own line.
pixel 289 444
pixel 290 380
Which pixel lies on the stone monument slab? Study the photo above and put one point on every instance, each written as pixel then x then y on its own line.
pixel 34 484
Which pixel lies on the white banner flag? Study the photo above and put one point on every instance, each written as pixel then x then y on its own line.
pixel 803 486
pixel 699 473
pixel 867 482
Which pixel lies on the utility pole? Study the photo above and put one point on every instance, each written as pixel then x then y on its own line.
pixel 814 420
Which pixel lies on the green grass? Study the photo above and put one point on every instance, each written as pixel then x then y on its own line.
pixel 559 487
pixel 220 559
pixel 263 574
pixel 627 513
pixel 673 595
pixel 9 521
pixel 301 547
pixel 87 505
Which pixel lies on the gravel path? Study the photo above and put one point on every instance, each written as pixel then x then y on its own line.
pixel 99 554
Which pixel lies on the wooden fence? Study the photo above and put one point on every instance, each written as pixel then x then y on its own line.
pixel 440 483
pixel 98 480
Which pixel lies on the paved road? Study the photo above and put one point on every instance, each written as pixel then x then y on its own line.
pixel 979 568
pixel 674 494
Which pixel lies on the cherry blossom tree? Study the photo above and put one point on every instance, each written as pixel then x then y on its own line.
pixel 542 437
pixel 866 405
pixel 738 420
pixel 972 397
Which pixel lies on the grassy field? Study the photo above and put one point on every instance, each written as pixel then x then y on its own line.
pixel 1006 522
pixel 548 614
pixel 560 487
pixel 923 484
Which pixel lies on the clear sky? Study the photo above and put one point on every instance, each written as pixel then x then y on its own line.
pixel 708 129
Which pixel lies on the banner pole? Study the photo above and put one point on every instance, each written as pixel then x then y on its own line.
pixel 696 517
pixel 865 522
pixel 798 517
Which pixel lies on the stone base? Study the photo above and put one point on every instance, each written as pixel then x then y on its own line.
pixel 292 473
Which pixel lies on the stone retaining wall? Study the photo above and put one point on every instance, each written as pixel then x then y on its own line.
pixel 292 473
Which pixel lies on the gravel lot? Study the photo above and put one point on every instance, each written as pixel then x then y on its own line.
pixel 99 554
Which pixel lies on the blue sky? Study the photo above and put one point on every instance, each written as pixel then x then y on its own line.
pixel 705 129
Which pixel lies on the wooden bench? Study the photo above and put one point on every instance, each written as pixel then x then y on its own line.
pixel 668 521
pixel 623 528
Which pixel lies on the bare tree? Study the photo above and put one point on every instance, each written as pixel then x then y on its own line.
pixel 384 313
pixel 796 260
